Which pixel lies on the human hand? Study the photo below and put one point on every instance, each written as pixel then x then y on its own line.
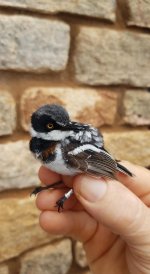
pixel 110 217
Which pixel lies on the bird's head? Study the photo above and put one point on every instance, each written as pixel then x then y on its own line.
pixel 50 122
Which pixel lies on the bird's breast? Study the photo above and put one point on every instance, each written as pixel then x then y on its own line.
pixel 48 152
pixel 43 150
pixel 59 164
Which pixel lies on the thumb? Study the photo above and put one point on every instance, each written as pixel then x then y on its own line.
pixel 114 205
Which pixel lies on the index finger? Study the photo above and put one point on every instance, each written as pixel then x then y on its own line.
pixel 47 176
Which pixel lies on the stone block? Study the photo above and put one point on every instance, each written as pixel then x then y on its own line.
pixel 129 145
pixel 80 255
pixel 7 113
pixel 51 259
pixel 136 105
pixel 105 57
pixel 33 44
pixel 138 13
pixel 104 9
pixel 18 168
pixel 20 230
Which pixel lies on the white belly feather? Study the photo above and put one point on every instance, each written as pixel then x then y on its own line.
pixel 59 166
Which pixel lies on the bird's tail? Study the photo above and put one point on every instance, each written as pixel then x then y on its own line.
pixel 124 170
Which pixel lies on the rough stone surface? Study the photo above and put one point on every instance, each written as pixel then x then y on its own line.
pixel 22 171
pixel 48 260
pixel 33 44
pixel 80 255
pixel 136 106
pixel 20 230
pixel 104 9
pixel 114 57
pixel 132 146
pixel 4 269
pixel 138 13
pixel 84 105
pixel 7 113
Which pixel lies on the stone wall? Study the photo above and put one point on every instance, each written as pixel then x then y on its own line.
pixel 93 57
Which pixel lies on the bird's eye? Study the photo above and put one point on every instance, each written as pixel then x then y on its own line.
pixel 49 126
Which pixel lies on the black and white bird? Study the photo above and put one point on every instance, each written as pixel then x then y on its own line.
pixel 69 148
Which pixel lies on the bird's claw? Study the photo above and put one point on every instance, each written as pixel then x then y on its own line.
pixel 60 204
pixel 36 190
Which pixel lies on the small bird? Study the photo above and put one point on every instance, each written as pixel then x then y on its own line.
pixel 69 148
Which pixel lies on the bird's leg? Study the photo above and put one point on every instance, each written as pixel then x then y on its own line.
pixel 41 188
pixel 60 202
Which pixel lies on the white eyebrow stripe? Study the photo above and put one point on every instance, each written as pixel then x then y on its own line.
pixel 83 148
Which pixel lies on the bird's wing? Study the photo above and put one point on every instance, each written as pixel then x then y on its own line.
pixel 92 160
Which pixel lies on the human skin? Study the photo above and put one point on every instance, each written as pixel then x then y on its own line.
pixel 110 217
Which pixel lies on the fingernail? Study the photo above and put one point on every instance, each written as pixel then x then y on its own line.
pixel 91 189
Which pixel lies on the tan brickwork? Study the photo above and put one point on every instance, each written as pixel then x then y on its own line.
pixel 92 57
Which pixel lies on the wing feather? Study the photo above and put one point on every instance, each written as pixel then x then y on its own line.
pixel 94 163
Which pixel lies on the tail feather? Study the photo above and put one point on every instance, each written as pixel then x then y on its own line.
pixel 124 170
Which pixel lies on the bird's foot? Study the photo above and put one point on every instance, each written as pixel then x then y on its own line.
pixel 41 188
pixel 37 190
pixel 60 204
